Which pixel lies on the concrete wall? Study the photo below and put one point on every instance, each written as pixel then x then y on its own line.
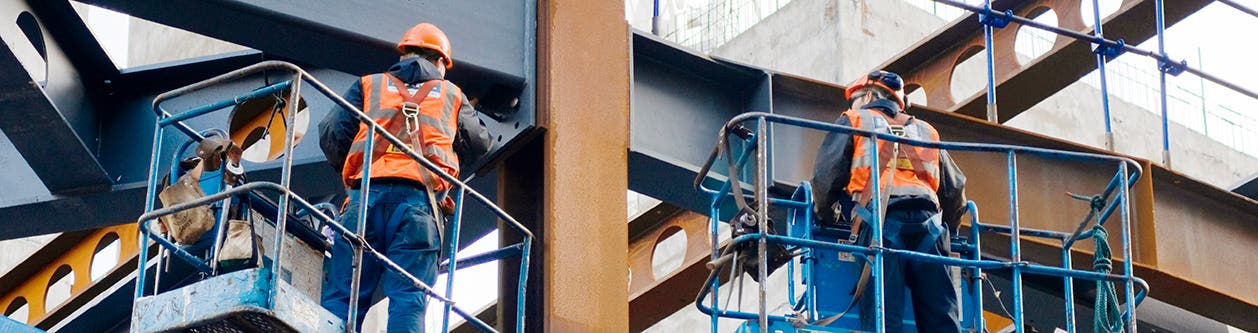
pixel 152 43
pixel 17 250
pixel 1075 114
pixel 831 40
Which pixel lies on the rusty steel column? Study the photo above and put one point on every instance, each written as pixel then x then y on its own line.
pixel 583 102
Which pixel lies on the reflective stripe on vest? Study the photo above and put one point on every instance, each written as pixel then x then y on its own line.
pixel 917 168
pixel 433 139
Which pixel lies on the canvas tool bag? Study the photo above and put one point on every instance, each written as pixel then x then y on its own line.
pixel 186 226
pixel 242 246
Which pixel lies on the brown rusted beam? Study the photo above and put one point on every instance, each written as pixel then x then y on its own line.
pixel 583 64
pixel 1019 86
pixel 651 299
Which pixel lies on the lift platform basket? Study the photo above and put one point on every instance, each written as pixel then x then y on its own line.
pixel 234 302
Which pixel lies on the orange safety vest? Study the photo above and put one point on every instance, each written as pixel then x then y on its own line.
pixel 917 168
pixel 435 105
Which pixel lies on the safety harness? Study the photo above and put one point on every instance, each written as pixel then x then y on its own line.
pixel 861 213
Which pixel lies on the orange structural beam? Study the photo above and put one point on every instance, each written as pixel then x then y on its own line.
pixel 79 258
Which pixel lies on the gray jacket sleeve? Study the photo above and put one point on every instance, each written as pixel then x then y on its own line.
pixel 338 128
pixel 472 141
pixel 951 191
pixel 831 172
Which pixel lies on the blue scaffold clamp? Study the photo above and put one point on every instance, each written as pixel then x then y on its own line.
pixel 1172 68
pixel 1110 51
pixel 995 19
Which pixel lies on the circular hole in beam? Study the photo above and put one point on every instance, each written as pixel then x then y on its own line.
pixel 969 75
pixel 1031 43
pixel 18 310
pixel 59 287
pixel 669 252
pixel 106 257
pixel 915 93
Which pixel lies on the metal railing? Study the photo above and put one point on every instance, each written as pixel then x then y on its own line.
pixel 287 197
pixel 1128 171
pixel 1105 49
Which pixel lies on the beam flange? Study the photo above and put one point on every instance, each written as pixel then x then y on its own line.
pixel 42 134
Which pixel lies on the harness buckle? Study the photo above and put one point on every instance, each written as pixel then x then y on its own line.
pixel 411 111
pixel 898 130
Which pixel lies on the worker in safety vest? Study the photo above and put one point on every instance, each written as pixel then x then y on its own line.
pixel 922 190
pixel 415 103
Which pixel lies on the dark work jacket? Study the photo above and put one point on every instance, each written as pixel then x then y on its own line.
pixel 833 169
pixel 338 128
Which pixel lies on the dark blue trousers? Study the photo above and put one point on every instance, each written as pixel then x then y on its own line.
pixel 935 306
pixel 400 224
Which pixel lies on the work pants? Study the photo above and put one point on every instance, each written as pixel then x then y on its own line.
pixel 929 284
pixel 400 224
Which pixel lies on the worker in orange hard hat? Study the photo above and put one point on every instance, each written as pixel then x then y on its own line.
pixel 922 190
pixel 404 209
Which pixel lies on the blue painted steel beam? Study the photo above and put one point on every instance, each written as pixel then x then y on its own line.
pixel 483 39
pixel 86 54
pixel 360 36
pixel 350 35
pixel 678 99
pixel 44 136
pixel 492 41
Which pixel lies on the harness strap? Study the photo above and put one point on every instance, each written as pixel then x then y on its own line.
pixel 398 122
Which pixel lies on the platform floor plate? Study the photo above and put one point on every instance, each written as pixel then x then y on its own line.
pixel 233 302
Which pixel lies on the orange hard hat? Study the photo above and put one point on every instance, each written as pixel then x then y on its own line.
pixel 428 36
pixel 888 81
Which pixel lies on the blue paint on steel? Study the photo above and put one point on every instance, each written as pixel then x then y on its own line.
pixel 524 277
pixel 233 294
pixel 364 187
pixel 150 197
pixel 1161 32
pixel 486 257
pixel 1068 291
pixel 12 326
pixel 990 22
pixel 1103 51
pixel 1015 240
pixel 1128 272
pixel 762 216
pixel 281 224
pixel 51 140
pixel 1026 231
pixel 713 216
pixel 875 227
pixel 976 277
pixel 453 266
pixel 201 110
